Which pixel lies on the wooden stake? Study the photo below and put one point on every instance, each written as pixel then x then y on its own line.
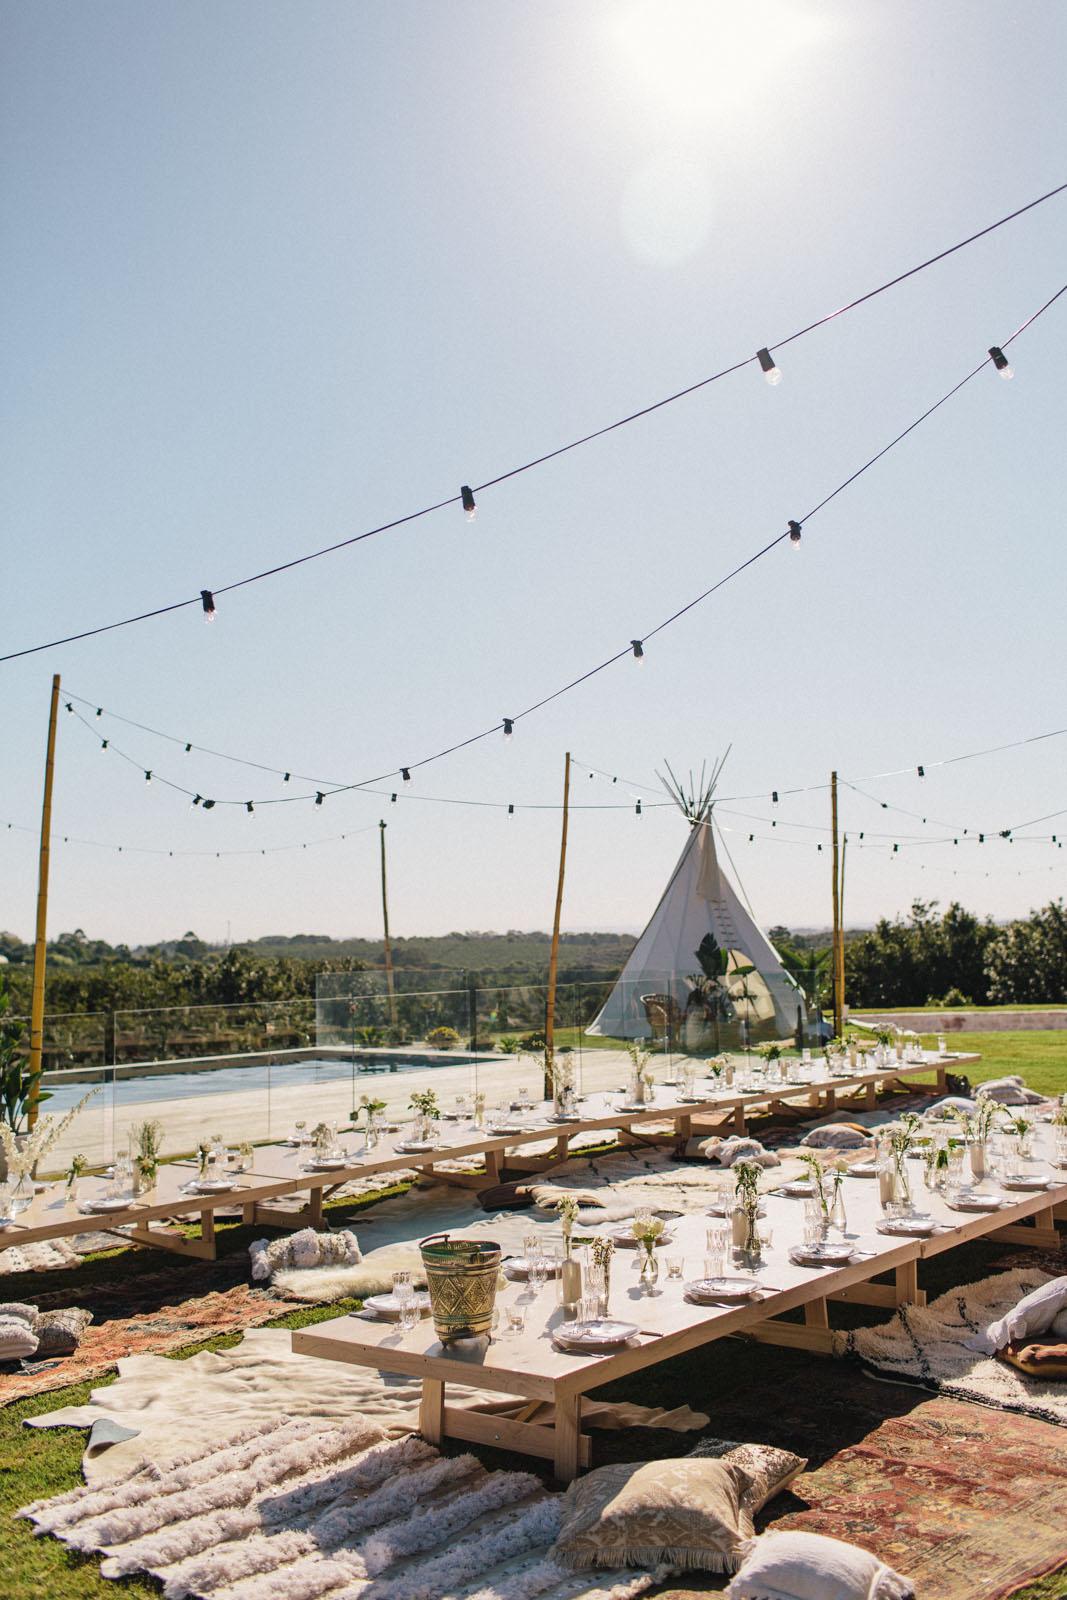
pixel 553 960
pixel 388 951
pixel 37 1002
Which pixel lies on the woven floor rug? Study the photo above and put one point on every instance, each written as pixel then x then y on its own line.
pixel 927 1345
pixel 300 1513
pixel 969 1503
pixel 156 1313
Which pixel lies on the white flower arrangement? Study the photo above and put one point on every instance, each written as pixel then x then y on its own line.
pixel 34 1145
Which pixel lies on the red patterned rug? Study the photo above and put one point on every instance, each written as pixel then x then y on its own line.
pixel 153 1314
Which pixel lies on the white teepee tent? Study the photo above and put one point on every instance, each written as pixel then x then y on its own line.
pixel 702 971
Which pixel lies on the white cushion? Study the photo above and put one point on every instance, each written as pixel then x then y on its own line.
pixel 1058 1325
pixel 17 1339
pixel 1035 1313
pixel 724 1152
pixel 808 1566
pixel 951 1103
pixel 836 1137
pixel 1009 1092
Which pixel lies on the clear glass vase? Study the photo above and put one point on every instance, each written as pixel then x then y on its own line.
pixel 649 1264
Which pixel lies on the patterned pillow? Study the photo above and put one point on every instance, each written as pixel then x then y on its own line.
pixel 1009 1092
pixel 809 1566
pixel 1037 1360
pixel 683 1513
pixel 763 1469
pixel 1032 1315
pixel 17 1339
pixel 59 1332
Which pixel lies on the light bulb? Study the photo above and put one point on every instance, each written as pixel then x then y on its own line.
pixel 405 773
pixel 207 600
pixel 638 650
pixel 770 371
pixel 468 501
pixel 508 728
pixel 1000 361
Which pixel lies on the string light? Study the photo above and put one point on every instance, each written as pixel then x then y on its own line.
pixel 249 807
pixel 468 501
pixel 508 728
pixel 637 808
pixel 188 748
pixel 794 534
pixel 774 797
pixel 921 771
pixel 392 798
pixel 405 773
pixel 148 777
pixel 319 797
pixel 103 744
pixel 195 801
pixel 207 600
pixel 1000 362
pixel 638 648
pixel 511 811
pixel 285 777
pixel 770 371
pixel 208 805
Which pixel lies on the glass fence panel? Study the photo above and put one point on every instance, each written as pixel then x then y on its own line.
pixel 173 1033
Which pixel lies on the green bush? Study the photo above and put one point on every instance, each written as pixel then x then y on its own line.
pixel 442 1038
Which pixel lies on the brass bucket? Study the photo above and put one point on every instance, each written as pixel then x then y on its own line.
pixel 461 1276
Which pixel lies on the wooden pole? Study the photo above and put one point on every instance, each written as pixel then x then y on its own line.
pixel 841 920
pixel 553 960
pixel 388 952
pixel 837 965
pixel 37 1001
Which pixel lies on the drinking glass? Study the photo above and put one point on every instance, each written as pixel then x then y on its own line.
pixel 538 1272
pixel 516 1318
pixel 642 1215
pixel 713 1264
pixel 409 1314
pixel 402 1284
pixel 675 1266
pixel 531 1245
pixel 588 1308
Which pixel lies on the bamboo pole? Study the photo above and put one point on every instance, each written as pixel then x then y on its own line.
pixel 553 960
pixel 388 952
pixel 837 964
pixel 841 920
pixel 37 1001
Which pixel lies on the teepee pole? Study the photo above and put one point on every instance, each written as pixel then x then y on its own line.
pixel 39 948
pixel 838 948
pixel 388 951
pixel 553 960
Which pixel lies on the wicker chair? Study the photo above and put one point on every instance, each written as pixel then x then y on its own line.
pixel 664 1019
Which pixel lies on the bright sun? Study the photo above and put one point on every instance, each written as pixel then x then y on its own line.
pixel 710 58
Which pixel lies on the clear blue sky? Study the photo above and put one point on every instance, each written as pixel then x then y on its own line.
pixel 274 274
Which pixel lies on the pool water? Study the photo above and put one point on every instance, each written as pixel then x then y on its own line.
pixel 136 1090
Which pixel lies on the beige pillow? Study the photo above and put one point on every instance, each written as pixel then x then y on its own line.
pixel 59 1332
pixel 680 1513
pixel 809 1566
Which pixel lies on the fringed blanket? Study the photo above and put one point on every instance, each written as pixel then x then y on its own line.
pixel 296 1513
pixel 927 1345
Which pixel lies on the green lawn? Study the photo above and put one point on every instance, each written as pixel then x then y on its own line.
pixel 1041 1058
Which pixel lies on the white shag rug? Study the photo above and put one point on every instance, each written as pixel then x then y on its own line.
pixel 46 1255
pixel 927 1345
pixel 159 1405
pixel 295 1513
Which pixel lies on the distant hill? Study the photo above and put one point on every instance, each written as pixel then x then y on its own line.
pixel 471 952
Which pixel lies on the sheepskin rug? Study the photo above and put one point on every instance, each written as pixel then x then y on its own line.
pixel 927 1345
pixel 295 1512
pixel 608 1188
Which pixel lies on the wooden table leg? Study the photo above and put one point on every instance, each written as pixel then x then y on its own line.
pixel 872 1097
pixel 315 1206
pixel 816 1314
pixel 907 1283
pixel 568 1433
pixel 739 1120
pixel 492 1167
pixel 432 1410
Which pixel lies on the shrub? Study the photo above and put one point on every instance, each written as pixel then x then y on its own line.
pixel 442 1038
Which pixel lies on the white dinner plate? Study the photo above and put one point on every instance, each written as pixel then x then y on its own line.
pixel 976 1202
pixel 601 1335
pixel 329 1163
pixel 1025 1181
pixel 711 1291
pixel 518 1268
pixel 105 1205
pixel 909 1227
pixel 863 1169
pixel 388 1307
pixel 213 1186
pixel 412 1145
pixel 801 1189
pixel 821 1255
pixel 727 1210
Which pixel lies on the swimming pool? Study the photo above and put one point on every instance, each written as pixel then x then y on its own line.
pixel 126 1086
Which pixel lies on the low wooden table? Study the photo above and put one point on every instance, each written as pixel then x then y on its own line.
pixel 279 1170
pixel 530 1367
